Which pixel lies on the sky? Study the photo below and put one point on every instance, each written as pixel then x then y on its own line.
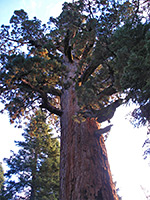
pixel 124 144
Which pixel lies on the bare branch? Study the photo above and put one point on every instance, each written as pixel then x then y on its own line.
pixel 91 68
pixel 90 9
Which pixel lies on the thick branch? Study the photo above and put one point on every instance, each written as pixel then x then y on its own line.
pixel 103 130
pixel 107 92
pixel 91 68
pixel 87 50
pixel 45 103
pixel 54 91
pixel 93 65
pixel 106 113
pixel 51 108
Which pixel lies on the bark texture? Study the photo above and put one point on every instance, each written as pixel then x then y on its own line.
pixel 85 172
pixel 84 168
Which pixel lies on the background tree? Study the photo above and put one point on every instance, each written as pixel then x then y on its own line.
pixel 69 70
pixel 34 171
pixel 2 182
pixel 1 176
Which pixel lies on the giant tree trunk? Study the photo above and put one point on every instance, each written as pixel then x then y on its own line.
pixel 84 168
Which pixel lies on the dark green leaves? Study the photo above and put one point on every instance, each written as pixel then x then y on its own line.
pixel 132 64
pixel 106 41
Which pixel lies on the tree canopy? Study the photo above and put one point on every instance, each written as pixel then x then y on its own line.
pixel 33 69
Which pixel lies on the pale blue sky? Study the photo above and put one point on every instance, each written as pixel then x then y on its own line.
pixel 124 144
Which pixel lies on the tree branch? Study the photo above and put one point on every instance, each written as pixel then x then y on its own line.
pixel 17 41
pixel 107 92
pixel 106 113
pixel 90 9
pixel 51 90
pixel 50 108
pixel 54 91
pixel 91 68
pixel 45 103
pixel 87 50
pixel 103 130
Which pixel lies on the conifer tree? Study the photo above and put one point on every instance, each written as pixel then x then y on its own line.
pixel 34 171
pixel 1 177
pixel 70 71
pixel 2 182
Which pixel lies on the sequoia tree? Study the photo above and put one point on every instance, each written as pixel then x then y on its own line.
pixel 68 70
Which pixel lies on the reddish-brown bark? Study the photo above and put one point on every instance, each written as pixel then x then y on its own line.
pixel 84 168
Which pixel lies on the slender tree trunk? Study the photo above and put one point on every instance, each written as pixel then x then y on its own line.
pixel 84 168
pixel 33 183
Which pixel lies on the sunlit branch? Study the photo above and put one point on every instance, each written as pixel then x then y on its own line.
pixel 87 50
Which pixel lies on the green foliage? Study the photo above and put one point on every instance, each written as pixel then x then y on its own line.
pixel 34 170
pixel 104 39
pixel 30 74
pixel 1 177
pixel 2 181
pixel 132 65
